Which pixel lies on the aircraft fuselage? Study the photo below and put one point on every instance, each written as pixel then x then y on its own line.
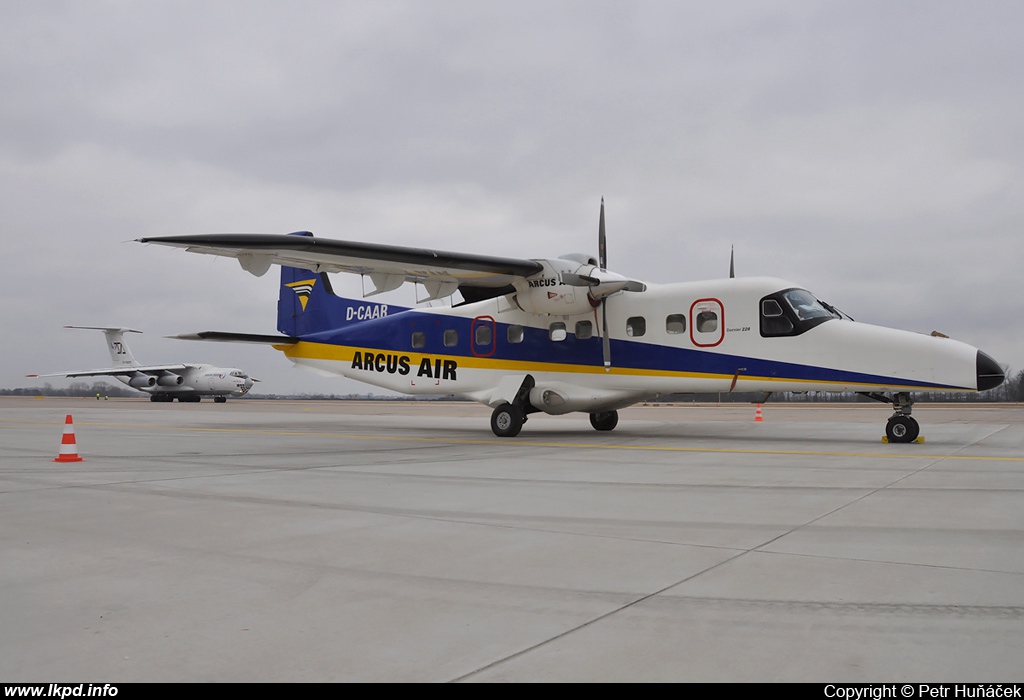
pixel 693 337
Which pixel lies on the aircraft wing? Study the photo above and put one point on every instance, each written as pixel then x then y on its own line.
pixel 118 371
pixel 387 265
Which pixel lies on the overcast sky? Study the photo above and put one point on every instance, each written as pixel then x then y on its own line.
pixel 871 152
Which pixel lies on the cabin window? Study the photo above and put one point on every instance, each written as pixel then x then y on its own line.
pixel 675 324
pixel 584 330
pixel 451 338
pixel 707 322
pixel 483 334
pixel 557 332
pixel 419 340
pixel 515 334
pixel 636 326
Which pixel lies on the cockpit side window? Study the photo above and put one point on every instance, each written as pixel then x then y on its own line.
pixel 791 312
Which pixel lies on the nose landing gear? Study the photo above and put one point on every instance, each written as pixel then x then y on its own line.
pixel 901 427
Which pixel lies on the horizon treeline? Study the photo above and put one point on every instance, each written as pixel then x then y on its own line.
pixel 1012 390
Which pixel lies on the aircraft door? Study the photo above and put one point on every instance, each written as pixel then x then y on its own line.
pixel 484 337
pixel 707 326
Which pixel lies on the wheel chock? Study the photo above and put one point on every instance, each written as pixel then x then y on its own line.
pixel 919 440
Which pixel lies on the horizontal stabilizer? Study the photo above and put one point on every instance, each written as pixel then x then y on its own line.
pixel 225 337
pixel 112 329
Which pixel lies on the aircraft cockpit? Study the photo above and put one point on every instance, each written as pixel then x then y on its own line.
pixel 794 311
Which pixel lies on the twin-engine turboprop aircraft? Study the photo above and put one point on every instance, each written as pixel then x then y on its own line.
pixel 186 382
pixel 565 334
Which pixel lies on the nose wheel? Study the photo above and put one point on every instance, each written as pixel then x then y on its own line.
pixel 902 428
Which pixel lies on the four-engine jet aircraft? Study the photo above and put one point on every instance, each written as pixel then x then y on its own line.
pixel 185 382
pixel 566 334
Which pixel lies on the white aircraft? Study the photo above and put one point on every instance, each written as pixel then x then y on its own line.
pixel 566 334
pixel 185 382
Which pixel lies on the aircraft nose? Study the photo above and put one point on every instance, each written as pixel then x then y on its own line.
pixel 990 374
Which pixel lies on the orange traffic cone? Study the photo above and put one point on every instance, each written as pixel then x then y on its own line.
pixel 758 418
pixel 68 446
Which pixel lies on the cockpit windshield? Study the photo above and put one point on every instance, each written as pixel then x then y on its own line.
pixel 792 312
pixel 804 305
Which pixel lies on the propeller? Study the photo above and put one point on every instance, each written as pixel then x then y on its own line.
pixel 602 253
pixel 601 284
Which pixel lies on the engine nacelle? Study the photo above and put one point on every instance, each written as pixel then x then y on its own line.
pixel 546 293
pixel 170 380
pixel 142 381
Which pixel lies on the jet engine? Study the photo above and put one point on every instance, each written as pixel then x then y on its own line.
pixel 142 381
pixel 170 379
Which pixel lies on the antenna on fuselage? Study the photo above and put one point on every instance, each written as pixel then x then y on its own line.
pixel 732 261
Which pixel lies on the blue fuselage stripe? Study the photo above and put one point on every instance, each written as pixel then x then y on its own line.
pixel 394 334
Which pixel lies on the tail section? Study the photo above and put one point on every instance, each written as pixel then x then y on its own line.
pixel 308 305
pixel 120 354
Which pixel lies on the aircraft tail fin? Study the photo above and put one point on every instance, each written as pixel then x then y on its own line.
pixel 120 353
pixel 307 304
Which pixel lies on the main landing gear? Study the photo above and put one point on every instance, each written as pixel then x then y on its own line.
pixel 901 427
pixel 604 420
pixel 508 418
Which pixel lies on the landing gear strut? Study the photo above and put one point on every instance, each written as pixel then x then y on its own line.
pixel 901 427
pixel 508 418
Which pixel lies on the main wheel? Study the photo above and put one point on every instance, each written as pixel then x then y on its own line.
pixel 507 420
pixel 901 428
pixel 604 420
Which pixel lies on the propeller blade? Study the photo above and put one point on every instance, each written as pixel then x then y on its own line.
pixel 574 280
pixel 602 254
pixel 606 343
